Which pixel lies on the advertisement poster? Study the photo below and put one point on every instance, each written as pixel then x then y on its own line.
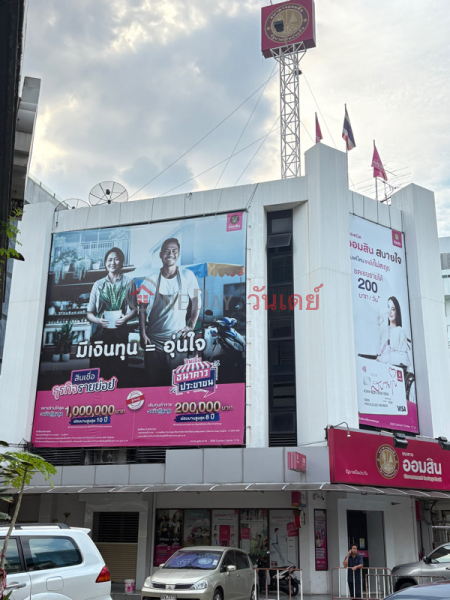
pixel 320 539
pixel 225 528
pixel 197 527
pixel 383 342
pixel 283 539
pixel 168 534
pixel 253 533
pixel 144 336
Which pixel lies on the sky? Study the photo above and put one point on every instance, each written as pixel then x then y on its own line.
pixel 128 86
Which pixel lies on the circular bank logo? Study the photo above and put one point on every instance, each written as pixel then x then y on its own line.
pixel 287 23
pixel 135 400
pixel 387 461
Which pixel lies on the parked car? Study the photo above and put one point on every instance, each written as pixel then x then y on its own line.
pixel 436 564
pixel 203 572
pixel 439 590
pixel 54 562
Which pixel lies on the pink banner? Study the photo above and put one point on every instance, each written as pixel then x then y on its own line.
pixel 80 415
pixel 320 540
pixel 372 459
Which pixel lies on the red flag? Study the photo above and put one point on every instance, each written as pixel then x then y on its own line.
pixel 318 132
pixel 378 169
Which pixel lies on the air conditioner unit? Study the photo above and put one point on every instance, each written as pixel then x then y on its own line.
pixel 106 456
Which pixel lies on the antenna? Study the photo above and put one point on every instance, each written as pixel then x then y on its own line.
pixel 107 192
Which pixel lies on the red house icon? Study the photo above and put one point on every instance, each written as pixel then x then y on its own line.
pixel 143 294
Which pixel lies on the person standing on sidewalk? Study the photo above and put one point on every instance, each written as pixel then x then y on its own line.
pixel 354 562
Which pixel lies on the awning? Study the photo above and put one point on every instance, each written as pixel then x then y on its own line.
pixel 233 487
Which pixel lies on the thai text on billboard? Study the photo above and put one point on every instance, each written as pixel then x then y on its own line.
pixel 383 342
pixel 144 336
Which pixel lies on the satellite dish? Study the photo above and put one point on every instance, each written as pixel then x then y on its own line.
pixel 76 203
pixel 107 192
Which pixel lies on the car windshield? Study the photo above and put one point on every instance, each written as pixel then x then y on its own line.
pixel 195 559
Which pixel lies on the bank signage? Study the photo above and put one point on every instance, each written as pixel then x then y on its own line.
pixel 144 336
pixel 372 459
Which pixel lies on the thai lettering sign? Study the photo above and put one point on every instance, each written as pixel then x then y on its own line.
pixel 144 336
pixel 383 341
pixel 372 459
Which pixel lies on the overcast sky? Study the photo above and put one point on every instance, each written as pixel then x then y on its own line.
pixel 129 85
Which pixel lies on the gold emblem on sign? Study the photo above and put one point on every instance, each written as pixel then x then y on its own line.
pixel 287 23
pixel 387 461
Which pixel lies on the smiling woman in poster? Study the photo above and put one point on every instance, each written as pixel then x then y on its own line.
pixel 393 340
pixel 110 307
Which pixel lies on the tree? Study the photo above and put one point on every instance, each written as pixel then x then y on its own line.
pixel 17 470
pixel 8 240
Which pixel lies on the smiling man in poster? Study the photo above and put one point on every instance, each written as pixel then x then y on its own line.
pixel 382 327
pixel 164 318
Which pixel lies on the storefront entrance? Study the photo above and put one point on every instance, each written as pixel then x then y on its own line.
pixel 366 529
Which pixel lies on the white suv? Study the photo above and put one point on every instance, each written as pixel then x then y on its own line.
pixel 54 562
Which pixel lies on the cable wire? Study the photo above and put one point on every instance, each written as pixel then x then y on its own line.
pixel 216 165
pixel 203 138
pixel 259 148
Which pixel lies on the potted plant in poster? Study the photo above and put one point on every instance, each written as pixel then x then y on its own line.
pixel 68 337
pixel 57 343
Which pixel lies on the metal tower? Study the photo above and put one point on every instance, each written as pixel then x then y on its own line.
pixel 289 58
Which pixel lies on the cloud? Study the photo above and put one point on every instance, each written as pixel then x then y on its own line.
pixel 129 85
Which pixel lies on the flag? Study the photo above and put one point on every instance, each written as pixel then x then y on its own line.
pixel 378 169
pixel 347 131
pixel 318 132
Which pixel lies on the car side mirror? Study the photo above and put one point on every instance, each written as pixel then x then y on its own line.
pixel 231 568
pixel 426 560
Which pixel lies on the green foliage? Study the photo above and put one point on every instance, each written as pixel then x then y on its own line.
pixel 64 338
pixel 22 466
pixel 114 295
pixel 9 230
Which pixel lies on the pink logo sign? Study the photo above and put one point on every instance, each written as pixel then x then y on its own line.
pixel 234 221
pixel 296 462
pixel 397 239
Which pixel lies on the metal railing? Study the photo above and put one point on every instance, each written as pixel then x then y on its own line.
pixel 374 583
pixel 269 588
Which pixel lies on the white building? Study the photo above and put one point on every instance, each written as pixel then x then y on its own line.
pixel 322 380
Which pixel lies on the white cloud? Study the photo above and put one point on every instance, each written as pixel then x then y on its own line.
pixel 129 85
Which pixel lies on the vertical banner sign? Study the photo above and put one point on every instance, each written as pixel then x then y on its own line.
pixel 197 527
pixel 225 528
pixel 283 538
pixel 168 534
pixel 253 533
pixel 320 539
pixel 383 342
pixel 144 336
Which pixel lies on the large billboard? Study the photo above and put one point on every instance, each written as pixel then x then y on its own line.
pixel 383 342
pixel 144 336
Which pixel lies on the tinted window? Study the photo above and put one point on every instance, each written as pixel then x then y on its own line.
pixel 242 561
pixel 50 553
pixel 229 559
pixel 12 562
pixel 441 555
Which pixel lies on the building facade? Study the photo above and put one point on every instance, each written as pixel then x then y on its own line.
pixel 307 462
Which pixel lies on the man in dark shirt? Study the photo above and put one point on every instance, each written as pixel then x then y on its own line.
pixel 354 562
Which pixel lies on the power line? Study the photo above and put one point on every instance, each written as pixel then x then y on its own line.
pixel 217 164
pixel 259 148
pixel 203 138
pixel 245 126
pixel 318 107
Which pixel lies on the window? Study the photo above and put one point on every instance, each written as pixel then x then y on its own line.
pixel 242 561
pixel 12 561
pixel 50 553
pixel 229 559
pixel 441 555
pixel 281 343
pixel 116 527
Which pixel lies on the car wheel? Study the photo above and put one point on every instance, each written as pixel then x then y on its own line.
pixel 217 595
pixel 253 595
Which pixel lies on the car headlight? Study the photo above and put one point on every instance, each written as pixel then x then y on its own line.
pixel 148 582
pixel 201 585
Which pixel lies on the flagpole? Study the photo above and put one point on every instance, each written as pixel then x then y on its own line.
pixel 376 178
pixel 346 151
